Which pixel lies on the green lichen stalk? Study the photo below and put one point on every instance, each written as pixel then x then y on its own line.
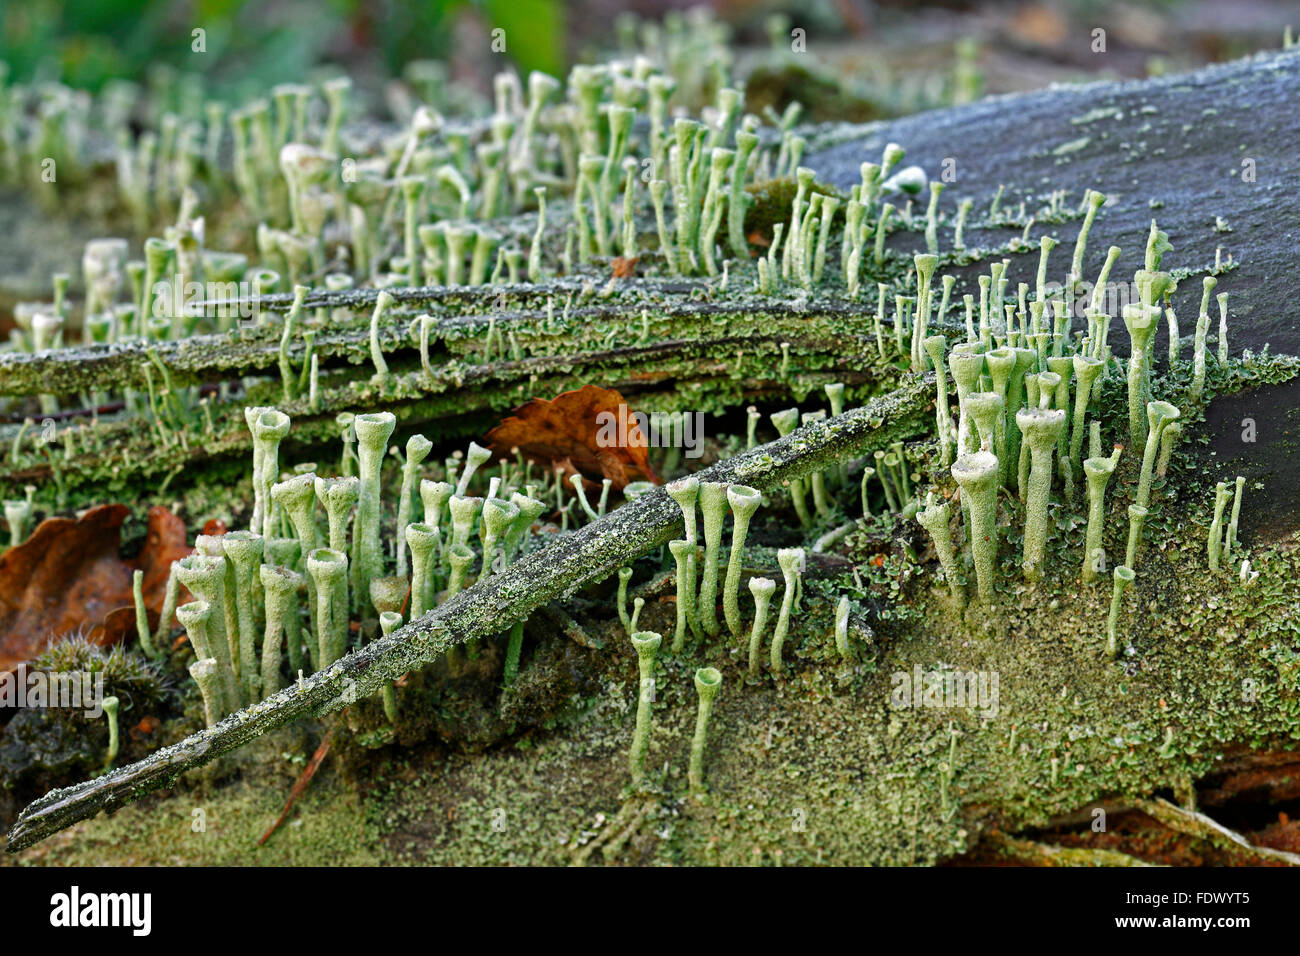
pixel 204 576
pixel 647 646
pixel 1231 540
pixel 417 449
pixel 423 542
pixel 1123 578
pixel 142 615
pixel 744 502
pixel 339 496
pixel 373 432
pixel 934 518
pixel 1137 516
pixel 977 474
pixel 713 506
pixel 204 673
pixel 389 621
pixel 1141 322
pixel 1096 472
pixel 280 588
pixel 791 561
pixel 624 576
pixel 683 553
pixel 1215 543
pixel 708 681
pixel 269 426
pixel 328 569
pixel 1086 371
pixel 244 550
pixel 1159 416
pixel 110 705
pixel 1042 428
pixel 934 348
pixel 762 590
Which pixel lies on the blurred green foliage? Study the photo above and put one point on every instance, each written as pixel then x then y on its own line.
pixel 252 44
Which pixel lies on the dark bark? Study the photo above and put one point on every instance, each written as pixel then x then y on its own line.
pixel 1169 148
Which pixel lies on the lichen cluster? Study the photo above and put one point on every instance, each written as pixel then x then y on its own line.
pixel 601 227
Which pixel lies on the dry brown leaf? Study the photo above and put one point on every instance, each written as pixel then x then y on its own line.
pixel 571 429
pixel 69 576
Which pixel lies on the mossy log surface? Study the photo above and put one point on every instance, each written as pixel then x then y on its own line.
pixel 490 606
pixel 1081 731
pixel 676 322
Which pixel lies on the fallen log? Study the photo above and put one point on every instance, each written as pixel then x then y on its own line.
pixel 490 606
pixel 1209 155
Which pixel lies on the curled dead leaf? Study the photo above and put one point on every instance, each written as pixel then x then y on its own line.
pixel 69 576
pixel 589 431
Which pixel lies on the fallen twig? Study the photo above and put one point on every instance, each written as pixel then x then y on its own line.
pixel 300 785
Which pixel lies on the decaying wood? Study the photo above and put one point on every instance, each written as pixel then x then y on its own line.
pixel 1199 826
pixel 491 606
pixel 458 405
pixel 1035 853
pixel 222 355
pixel 1170 148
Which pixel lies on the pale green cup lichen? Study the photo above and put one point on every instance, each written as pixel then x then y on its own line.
pixel 934 347
pixel 389 621
pixel 463 512
pixel 762 590
pixel 713 507
pixel 338 495
pixel 204 673
pixel 244 549
pixel 1096 472
pixel 1159 415
pixel 977 474
pixel 708 681
pixel 744 502
pixel 417 449
pixel 683 553
pixel 204 576
pixel 934 518
pixel 1042 428
pixel 791 561
pixel 373 431
pixel 423 542
pixel 329 569
pixel 647 646
pixel 498 518
pixel 280 588
pixel 1141 321
pixel 110 705
pixel 1137 515
pixel 1123 578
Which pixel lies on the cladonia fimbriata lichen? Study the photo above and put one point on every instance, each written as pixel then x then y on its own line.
pixel 647 645
pixel 708 681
